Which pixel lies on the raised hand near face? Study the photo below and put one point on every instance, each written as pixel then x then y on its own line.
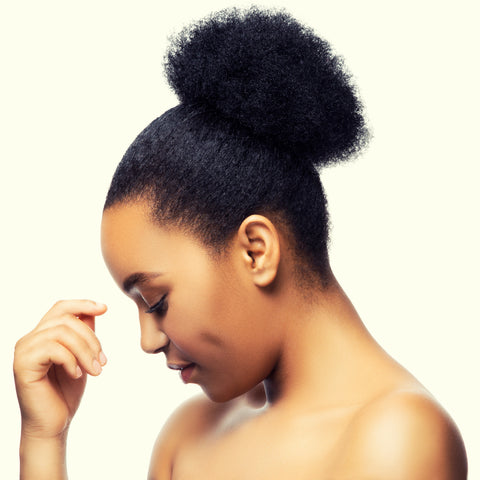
pixel 51 363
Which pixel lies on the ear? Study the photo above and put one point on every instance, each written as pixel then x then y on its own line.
pixel 260 248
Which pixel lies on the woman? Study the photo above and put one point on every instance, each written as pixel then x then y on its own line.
pixel 216 225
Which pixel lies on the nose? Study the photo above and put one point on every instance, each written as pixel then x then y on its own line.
pixel 153 339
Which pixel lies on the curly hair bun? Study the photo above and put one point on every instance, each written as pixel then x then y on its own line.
pixel 272 76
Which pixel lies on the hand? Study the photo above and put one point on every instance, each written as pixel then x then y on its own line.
pixel 50 366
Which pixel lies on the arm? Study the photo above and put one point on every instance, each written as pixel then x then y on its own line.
pixel 42 459
pixel 50 366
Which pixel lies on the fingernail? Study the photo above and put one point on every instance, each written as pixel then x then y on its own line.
pixel 99 304
pixel 79 372
pixel 96 367
pixel 102 358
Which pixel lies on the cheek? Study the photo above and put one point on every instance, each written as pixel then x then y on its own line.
pixel 194 318
pixel 214 320
pixel 209 323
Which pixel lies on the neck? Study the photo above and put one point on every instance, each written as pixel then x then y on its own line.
pixel 327 356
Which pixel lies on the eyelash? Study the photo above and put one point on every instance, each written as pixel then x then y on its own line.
pixel 159 307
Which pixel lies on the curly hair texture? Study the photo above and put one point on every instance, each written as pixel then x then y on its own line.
pixel 263 103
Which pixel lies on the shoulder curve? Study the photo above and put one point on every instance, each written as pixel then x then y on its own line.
pixel 188 420
pixel 406 432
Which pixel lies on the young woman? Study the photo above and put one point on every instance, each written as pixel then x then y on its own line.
pixel 216 226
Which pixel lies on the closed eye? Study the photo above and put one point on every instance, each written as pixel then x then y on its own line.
pixel 159 307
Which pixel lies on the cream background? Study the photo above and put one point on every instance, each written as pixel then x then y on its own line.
pixel 81 79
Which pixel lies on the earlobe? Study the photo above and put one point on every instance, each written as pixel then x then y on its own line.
pixel 260 245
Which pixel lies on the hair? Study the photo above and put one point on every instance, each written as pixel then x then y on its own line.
pixel 263 103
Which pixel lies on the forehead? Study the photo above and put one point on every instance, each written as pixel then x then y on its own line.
pixel 132 243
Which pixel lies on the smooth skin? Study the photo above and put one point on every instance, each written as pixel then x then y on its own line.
pixel 295 385
pixel 50 366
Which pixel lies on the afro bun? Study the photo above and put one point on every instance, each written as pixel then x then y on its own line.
pixel 271 76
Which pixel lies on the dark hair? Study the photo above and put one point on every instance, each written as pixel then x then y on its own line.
pixel 264 101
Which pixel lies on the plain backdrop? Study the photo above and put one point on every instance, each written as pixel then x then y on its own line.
pixel 80 80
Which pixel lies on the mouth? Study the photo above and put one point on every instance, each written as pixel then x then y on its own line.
pixel 185 370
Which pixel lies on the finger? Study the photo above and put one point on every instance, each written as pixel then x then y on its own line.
pixel 86 353
pixel 83 324
pixel 60 355
pixel 88 320
pixel 86 323
pixel 77 308
pixel 33 362
pixel 81 327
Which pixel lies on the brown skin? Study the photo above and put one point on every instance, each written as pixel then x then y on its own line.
pixel 295 385
pixel 50 367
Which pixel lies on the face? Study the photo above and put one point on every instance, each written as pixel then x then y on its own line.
pixel 193 307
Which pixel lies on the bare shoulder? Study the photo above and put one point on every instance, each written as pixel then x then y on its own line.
pixel 189 421
pixel 401 435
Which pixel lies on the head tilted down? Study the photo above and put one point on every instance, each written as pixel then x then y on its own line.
pixel 264 102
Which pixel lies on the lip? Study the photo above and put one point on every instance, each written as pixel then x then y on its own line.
pixel 178 366
pixel 185 369
pixel 186 373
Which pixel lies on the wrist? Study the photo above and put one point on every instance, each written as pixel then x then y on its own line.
pixel 57 433
pixel 42 457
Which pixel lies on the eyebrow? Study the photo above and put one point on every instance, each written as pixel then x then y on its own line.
pixel 138 278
